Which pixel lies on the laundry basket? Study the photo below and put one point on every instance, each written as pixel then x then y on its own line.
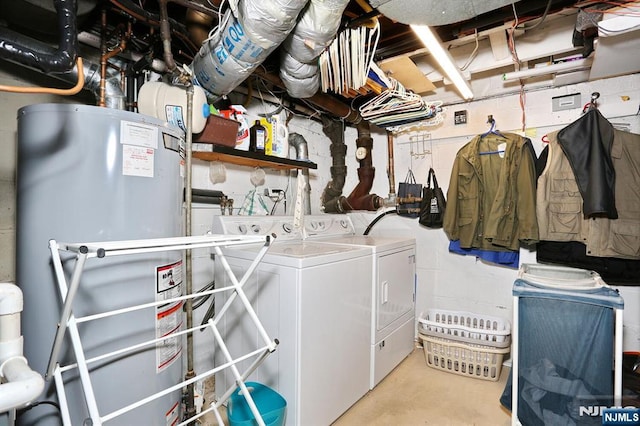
pixel 464 359
pixel 271 406
pixel 468 327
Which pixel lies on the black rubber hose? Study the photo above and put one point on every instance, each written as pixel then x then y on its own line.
pixel 377 219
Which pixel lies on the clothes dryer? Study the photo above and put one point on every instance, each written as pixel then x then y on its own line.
pixel 393 271
pixel 315 298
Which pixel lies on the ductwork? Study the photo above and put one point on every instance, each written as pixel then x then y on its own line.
pixel 114 97
pixel 20 384
pixel 313 33
pixel 299 143
pixel 244 40
pixel 26 51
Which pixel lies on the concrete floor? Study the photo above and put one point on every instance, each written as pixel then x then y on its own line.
pixel 416 394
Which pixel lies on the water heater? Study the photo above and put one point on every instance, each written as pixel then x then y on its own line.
pixel 89 174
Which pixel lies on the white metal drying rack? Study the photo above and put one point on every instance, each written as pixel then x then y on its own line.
pixel 68 321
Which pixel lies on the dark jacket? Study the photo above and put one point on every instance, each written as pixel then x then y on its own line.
pixel 587 144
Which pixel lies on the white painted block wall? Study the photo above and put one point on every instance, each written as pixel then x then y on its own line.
pixel 444 280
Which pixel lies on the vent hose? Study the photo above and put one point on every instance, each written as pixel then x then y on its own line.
pixel 32 53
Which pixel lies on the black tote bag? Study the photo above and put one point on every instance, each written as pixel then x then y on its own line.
pixel 433 203
pixel 409 189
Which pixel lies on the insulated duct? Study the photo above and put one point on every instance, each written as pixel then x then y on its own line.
pixel 20 385
pixel 313 33
pixel 299 143
pixel 32 53
pixel 246 36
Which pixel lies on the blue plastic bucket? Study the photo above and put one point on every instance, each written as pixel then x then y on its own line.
pixel 271 406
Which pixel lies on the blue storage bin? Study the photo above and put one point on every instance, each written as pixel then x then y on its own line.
pixel 271 406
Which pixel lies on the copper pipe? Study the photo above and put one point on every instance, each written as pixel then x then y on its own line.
pixel 106 55
pixel 391 169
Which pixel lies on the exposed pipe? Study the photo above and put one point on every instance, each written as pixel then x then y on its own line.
pixel 105 55
pixel 329 104
pixel 165 34
pixel 27 51
pixel 360 199
pixel 391 173
pixel 332 198
pixel 299 143
pixel 20 384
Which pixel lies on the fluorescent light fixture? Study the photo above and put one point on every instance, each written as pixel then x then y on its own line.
pixel 430 41
pixel 573 65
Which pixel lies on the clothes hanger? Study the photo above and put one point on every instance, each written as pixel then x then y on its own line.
pixel 492 130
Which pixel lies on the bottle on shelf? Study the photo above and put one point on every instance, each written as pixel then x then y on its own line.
pixel 257 137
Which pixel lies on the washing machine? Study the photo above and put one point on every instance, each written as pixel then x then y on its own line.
pixel 315 298
pixel 393 270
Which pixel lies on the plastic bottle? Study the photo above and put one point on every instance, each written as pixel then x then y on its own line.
pixel 257 137
pixel 167 102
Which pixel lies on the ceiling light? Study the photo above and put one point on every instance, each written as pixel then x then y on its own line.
pixel 430 41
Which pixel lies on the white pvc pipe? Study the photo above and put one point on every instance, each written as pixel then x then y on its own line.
pixel 21 385
pixel 574 65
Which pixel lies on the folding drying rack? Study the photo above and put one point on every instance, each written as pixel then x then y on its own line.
pixel 68 322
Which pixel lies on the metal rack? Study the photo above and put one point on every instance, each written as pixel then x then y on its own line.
pixel 69 323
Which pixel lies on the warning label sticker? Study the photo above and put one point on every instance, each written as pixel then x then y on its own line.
pixel 168 315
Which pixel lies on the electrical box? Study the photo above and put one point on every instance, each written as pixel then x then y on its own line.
pixel 560 103
pixel 460 117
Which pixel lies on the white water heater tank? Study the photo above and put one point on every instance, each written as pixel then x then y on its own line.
pixel 169 103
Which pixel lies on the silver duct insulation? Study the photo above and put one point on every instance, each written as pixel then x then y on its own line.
pixel 314 32
pixel 243 41
pixel 299 143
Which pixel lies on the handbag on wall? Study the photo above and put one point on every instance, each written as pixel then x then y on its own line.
pixel 409 189
pixel 433 203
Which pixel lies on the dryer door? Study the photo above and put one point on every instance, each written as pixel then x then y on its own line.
pixel 394 286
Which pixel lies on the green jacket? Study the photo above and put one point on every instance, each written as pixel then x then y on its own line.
pixel 491 200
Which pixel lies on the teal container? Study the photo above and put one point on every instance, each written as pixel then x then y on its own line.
pixel 271 406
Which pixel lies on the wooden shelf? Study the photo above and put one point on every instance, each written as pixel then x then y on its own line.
pixel 251 159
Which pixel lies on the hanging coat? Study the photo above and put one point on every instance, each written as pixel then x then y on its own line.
pixel 491 197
